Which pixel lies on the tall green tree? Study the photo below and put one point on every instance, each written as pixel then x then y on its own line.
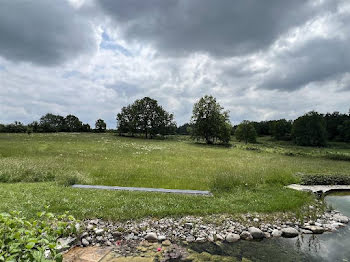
pixel 209 122
pixel 310 130
pixel 246 132
pixel 281 129
pixel 52 123
pixel 100 126
pixel 73 124
pixel 146 117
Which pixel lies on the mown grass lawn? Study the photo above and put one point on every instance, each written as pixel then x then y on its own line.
pixel 244 178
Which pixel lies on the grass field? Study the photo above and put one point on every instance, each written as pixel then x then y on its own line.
pixel 244 178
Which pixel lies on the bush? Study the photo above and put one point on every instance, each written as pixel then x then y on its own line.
pixel 33 240
pixel 324 179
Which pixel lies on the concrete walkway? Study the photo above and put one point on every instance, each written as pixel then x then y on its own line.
pixel 320 188
pixel 146 189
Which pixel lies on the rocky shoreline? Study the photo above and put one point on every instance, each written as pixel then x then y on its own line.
pixel 214 228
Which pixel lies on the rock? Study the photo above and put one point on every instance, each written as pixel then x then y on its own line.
pixel 256 219
pixel 256 233
pixel 188 225
pixel 151 237
pixel 85 242
pixel 337 225
pixel 219 237
pixel 85 234
pixel 201 239
pixel 305 231
pixel 65 243
pixel 90 227
pixel 289 232
pixel 231 238
pixel 108 243
pixel 276 233
pixel 245 235
pixel 190 239
pixel 161 238
pixel 99 231
pixel 166 243
pixel 341 219
pixel 315 229
pixel 267 235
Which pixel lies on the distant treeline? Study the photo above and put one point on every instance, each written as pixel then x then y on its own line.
pixel 209 123
pixel 336 125
pixel 51 123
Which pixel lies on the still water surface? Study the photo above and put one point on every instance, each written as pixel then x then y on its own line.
pixel 326 247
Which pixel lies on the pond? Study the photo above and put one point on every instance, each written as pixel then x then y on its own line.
pixel 326 247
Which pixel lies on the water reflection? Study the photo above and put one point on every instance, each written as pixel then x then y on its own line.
pixel 326 247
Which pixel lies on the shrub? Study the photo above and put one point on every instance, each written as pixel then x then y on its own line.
pixel 33 240
pixel 324 179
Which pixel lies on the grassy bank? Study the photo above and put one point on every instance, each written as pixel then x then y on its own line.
pixel 243 178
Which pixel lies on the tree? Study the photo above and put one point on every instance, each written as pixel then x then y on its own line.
pixel 100 126
pixel 333 121
pixel 246 132
pixel 146 117
pixel 73 124
pixel 52 123
pixel 209 122
pixel 281 129
pixel 184 129
pixel 344 131
pixel 310 130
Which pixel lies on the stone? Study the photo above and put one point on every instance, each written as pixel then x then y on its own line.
pixel 245 235
pixel 65 243
pixel 190 239
pixel 201 239
pixel 219 237
pixel 256 233
pixel 231 238
pixel 289 232
pixel 151 237
pixel 341 219
pixel 267 235
pixel 166 243
pixel 99 231
pixel 85 242
pixel 305 231
pixel 188 225
pixel 315 229
pixel 161 238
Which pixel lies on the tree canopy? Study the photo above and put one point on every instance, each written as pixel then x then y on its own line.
pixel 100 126
pixel 310 130
pixel 145 117
pixel 209 122
pixel 245 131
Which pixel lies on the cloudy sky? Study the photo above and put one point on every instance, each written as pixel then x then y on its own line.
pixel 261 59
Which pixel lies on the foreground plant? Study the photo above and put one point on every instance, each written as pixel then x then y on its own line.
pixel 35 239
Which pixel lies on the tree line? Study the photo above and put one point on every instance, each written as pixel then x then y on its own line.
pixel 51 123
pixel 209 123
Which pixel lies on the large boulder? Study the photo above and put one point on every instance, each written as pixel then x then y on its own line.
pixel 341 219
pixel 151 237
pixel 289 232
pixel 231 238
pixel 256 233
pixel 245 235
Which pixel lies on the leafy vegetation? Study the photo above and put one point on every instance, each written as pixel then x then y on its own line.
pixel 325 179
pixel 33 239
pixel 209 122
pixel 145 117
pixel 310 130
pixel 246 132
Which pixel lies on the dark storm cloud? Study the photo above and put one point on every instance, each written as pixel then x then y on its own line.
pixel 220 28
pixel 43 32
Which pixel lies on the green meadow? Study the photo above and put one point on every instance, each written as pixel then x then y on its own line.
pixel 36 171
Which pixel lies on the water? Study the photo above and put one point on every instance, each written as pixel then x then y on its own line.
pixel 326 247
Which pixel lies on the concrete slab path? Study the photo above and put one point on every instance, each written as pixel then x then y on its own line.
pixel 319 188
pixel 147 189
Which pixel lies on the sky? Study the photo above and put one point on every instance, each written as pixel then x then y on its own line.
pixel 262 60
